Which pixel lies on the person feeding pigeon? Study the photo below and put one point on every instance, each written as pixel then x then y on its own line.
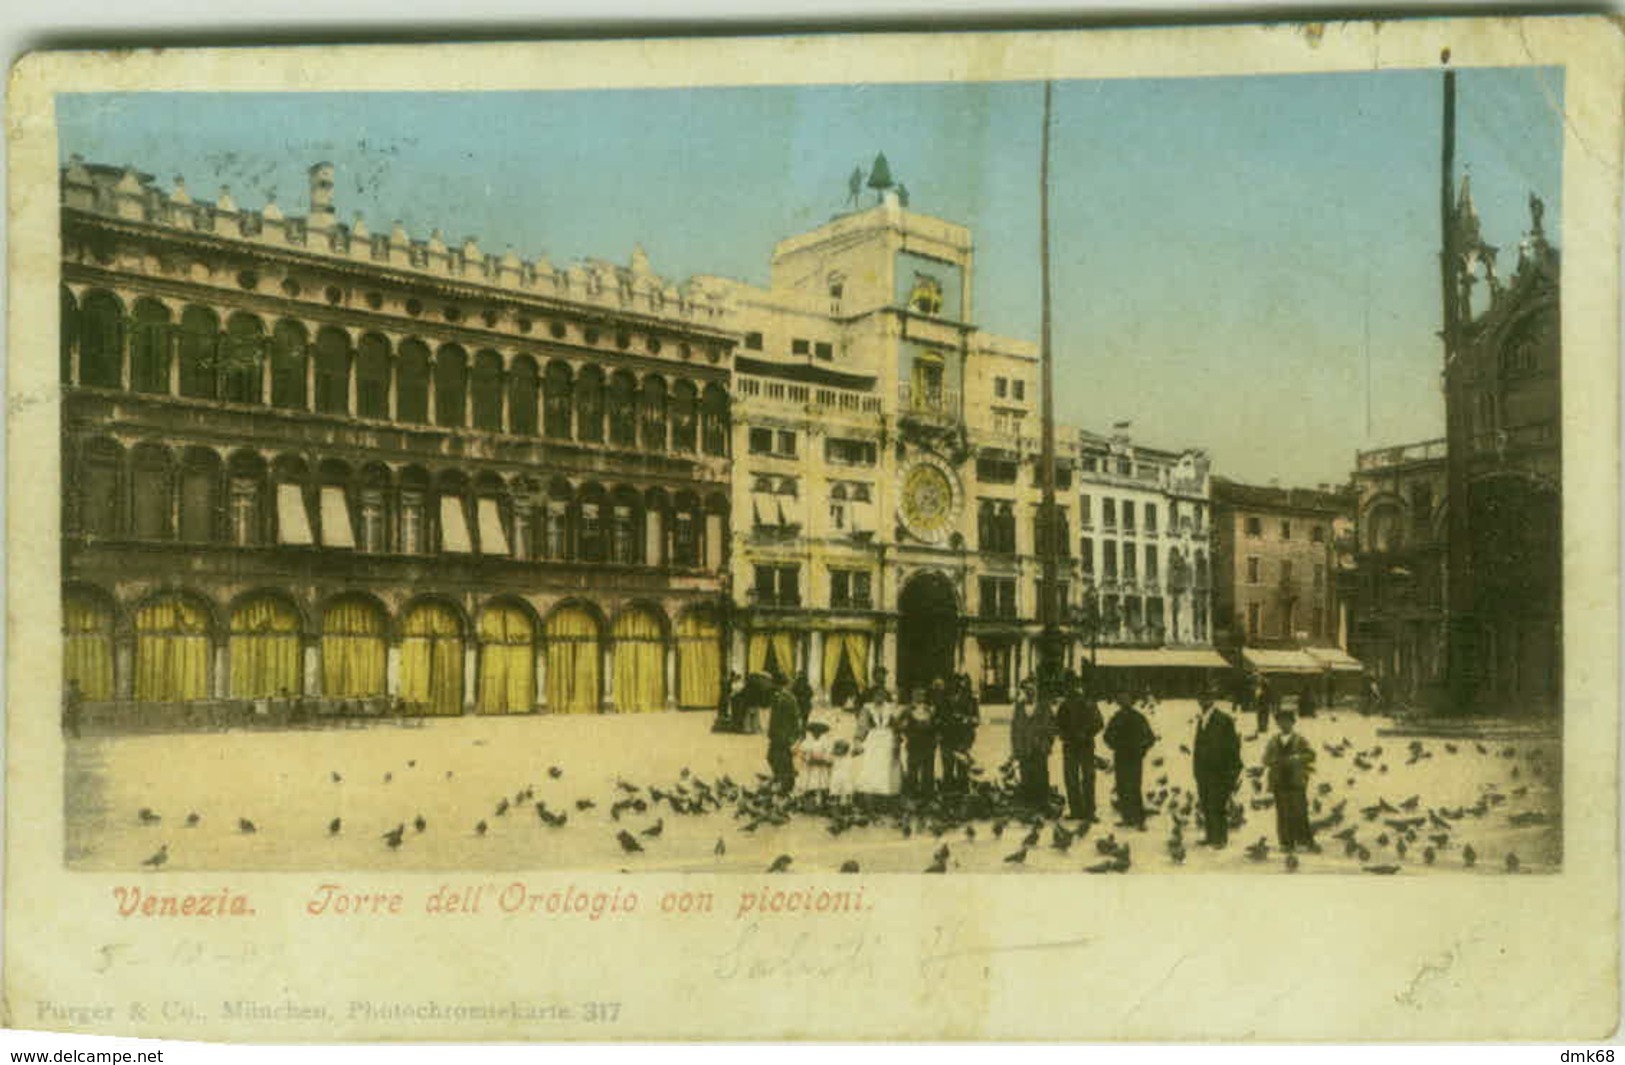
pixel 802 690
pixel 783 730
pixel 1216 764
pixel 1289 759
pixel 1129 736
pixel 920 726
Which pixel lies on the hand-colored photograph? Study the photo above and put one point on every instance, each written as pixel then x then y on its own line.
pixel 1138 476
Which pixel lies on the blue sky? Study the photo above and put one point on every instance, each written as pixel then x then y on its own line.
pixel 1222 247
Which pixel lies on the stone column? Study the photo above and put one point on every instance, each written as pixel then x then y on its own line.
pixel 312 667
pixel 265 373
pixel 886 656
pixel 471 665
pixel 310 378
pixel 815 665
pixel 713 542
pixel 124 665
pixel 971 664
pixel 392 669
pixel 218 682
pixel 671 674
pixel 541 678
pixel 608 670
pixel 654 537
pixel 393 391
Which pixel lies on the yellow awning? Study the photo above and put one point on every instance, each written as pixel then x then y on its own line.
pixel 1335 658
pixel 1289 661
pixel 1159 658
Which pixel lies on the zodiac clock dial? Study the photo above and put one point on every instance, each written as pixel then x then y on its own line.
pixel 928 503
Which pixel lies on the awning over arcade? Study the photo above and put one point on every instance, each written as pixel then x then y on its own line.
pixel 1158 658
pixel 1335 658
pixel 1288 661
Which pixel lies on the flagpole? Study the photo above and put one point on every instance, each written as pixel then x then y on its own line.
pixel 1049 641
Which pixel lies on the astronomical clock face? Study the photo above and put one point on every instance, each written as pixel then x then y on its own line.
pixel 928 503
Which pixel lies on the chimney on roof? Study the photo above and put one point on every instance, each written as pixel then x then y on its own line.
pixel 321 197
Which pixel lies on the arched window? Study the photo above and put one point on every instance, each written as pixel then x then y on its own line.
pixel 243 358
pixel 288 354
pixel 101 340
pixel 412 513
pixel 372 511
pixel 450 386
pixel 685 417
pixel 432 659
pixel 200 496
pixel 87 646
pixel 522 394
pixel 98 488
pixel 626 528
pixel 557 536
pixel 1386 528
pixel 623 411
pixel 354 654
pixel 1005 528
pixel 714 420
pixel 688 526
pixel 654 413
pixel 172 652
pixel 559 400
pixel 372 377
pixel 412 383
pixel 149 347
pixel 507 679
pixel 151 493
pixel 589 396
pixel 198 353
pixel 592 539
pixel 332 371
pixel 246 506
pixel 574 661
pixel 640 662
pixel 487 391
pixel 264 649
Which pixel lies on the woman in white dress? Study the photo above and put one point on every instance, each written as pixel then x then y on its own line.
pixel 880 771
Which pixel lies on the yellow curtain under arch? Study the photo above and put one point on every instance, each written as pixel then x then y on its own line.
pixel 354 654
pixel 264 650
pixel 854 646
pixel 573 661
pixel 87 648
pixel 783 644
pixel 699 661
pixel 507 661
pixel 171 652
pixel 432 659
pixel 640 663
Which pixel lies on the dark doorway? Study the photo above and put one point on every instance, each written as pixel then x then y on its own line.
pixel 927 631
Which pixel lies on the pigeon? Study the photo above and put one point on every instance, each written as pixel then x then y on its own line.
pixel 629 842
pixel 849 866
pixel 419 823
pixel 1469 856
pixel 1108 866
pixel 1512 862
pixel 1060 838
pixel 479 829
pixel 1017 858
pixel 245 826
pixel 448 774
pixel 335 826
pixel 388 777
pixel 720 849
pixel 158 858
pixel 654 830
pixel 1291 862
pixel 554 772
pixel 1382 870
pixel 1428 855
pixel 392 838
pixel 1176 850
pixel 336 778
pixel 780 864
pixel 502 808
pixel 148 817
pixel 192 819
pixel 938 864
pixel 970 833
pixel 1259 851
pixel 585 804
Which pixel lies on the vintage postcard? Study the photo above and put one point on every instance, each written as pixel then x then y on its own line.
pixel 630 539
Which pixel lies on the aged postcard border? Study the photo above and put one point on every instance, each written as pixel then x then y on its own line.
pixel 1195 958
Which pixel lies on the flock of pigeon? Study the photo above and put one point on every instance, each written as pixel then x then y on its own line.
pixel 1382 837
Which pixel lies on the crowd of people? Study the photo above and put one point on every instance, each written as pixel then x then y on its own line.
pixel 917 752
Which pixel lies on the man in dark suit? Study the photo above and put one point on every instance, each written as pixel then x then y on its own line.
pixel 1216 761
pixel 1129 736
pixel 1289 761
pixel 783 730
pixel 1078 722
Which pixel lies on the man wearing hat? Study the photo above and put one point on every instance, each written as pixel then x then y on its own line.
pixel 1078 721
pixel 1129 736
pixel 783 731
pixel 1216 763
pixel 1289 759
